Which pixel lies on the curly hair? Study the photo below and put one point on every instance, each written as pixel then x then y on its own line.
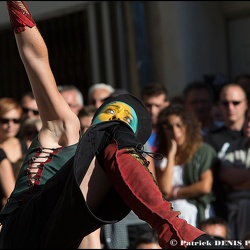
pixel 193 132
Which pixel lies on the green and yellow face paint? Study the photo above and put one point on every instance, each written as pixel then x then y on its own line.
pixel 118 111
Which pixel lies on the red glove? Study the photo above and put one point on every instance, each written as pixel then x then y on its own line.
pixel 20 16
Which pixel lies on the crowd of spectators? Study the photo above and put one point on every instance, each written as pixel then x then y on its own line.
pixel 203 136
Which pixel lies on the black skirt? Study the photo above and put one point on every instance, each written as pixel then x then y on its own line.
pixel 57 216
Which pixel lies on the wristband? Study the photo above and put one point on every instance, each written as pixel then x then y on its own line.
pixel 20 16
pixel 175 191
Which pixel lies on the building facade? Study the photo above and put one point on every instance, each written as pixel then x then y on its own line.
pixel 130 43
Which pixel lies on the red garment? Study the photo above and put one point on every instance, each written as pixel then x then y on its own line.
pixel 19 16
pixel 132 180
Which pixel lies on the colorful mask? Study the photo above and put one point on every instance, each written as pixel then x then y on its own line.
pixel 118 111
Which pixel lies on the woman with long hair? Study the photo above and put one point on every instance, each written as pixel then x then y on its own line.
pixel 185 173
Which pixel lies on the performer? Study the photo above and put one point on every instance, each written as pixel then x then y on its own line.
pixel 70 186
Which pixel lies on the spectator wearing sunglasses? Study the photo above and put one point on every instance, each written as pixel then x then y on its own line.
pixel 29 106
pixel 10 122
pixel 235 174
pixel 233 105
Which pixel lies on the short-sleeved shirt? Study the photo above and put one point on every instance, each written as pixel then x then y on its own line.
pixel 218 137
pixel 238 154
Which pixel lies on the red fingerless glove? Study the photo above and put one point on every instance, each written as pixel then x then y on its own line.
pixel 20 16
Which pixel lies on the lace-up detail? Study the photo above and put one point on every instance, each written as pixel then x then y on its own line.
pixel 139 148
pixel 37 164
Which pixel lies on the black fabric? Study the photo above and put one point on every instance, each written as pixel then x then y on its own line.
pixel 2 157
pixel 123 136
pixel 96 138
pixel 58 216
pixel 92 141
pixel 144 122
pixel 24 146
pixel 54 218
pixel 2 154
pixel 218 137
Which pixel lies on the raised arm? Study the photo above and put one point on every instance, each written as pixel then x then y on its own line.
pixel 165 176
pixel 60 125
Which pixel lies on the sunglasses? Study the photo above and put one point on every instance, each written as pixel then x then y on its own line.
pixel 226 103
pixel 26 110
pixel 5 120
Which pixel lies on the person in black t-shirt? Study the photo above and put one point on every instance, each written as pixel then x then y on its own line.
pixel 233 105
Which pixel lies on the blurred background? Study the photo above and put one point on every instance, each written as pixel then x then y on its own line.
pixel 130 43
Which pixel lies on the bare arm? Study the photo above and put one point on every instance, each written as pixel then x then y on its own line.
pixel 203 186
pixel 7 179
pixel 91 241
pixel 165 176
pixel 60 125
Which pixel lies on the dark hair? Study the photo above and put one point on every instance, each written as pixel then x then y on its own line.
pixel 215 221
pixel 146 237
pixel 244 81
pixel 116 93
pixel 87 110
pixel 193 131
pixel 198 85
pixel 154 89
pixel 29 94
